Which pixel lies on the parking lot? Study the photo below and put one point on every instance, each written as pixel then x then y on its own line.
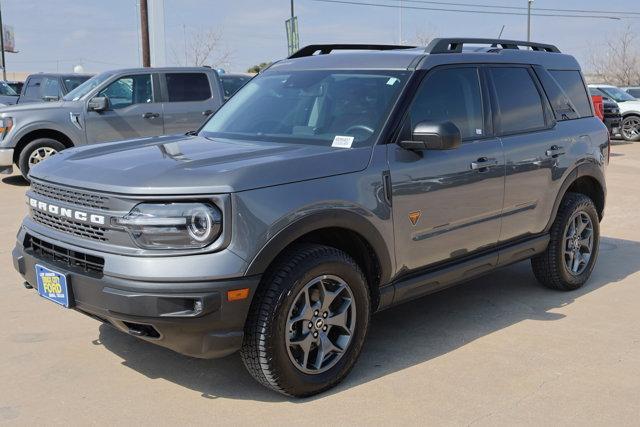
pixel 498 350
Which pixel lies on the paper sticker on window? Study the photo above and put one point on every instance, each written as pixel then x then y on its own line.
pixel 342 141
pixel 392 81
pixel 478 131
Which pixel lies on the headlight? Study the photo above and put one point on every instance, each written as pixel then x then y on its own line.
pixel 173 225
pixel 6 123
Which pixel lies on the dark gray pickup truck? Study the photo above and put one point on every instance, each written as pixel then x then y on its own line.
pixel 112 106
pixel 329 187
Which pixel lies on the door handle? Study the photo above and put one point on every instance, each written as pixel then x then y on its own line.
pixel 483 164
pixel 555 151
pixel 150 115
pixel 207 112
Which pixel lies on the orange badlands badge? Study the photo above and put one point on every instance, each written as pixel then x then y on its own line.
pixel 414 217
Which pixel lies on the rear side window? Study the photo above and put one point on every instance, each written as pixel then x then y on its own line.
pixel 453 95
pixel 184 87
pixel 518 100
pixel 32 89
pixel 572 84
pixel 635 92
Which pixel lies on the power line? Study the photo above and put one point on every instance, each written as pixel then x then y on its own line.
pixel 485 12
pixel 487 6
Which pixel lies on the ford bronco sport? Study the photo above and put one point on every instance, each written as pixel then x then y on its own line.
pixel 331 186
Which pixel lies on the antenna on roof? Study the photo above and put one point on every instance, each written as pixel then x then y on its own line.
pixel 500 35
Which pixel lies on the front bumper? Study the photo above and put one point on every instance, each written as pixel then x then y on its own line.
pixel 6 160
pixel 612 122
pixel 164 313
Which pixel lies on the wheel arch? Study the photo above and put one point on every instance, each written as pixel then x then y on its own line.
pixel 32 135
pixel 587 179
pixel 344 230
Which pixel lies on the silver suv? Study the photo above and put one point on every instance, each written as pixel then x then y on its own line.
pixel 112 106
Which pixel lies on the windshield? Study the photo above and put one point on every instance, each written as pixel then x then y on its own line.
pixel 617 94
pixel 86 87
pixel 5 89
pixel 72 82
pixel 331 108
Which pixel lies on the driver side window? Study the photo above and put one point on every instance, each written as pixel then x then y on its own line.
pixel 451 95
pixel 129 90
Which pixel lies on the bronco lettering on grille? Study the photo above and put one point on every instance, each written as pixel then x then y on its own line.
pixel 66 212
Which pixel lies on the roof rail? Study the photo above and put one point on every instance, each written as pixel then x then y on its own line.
pixel 328 48
pixel 454 45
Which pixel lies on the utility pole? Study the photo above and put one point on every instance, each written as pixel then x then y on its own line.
pixel 4 64
pixel 400 23
pixel 529 3
pixel 292 10
pixel 144 30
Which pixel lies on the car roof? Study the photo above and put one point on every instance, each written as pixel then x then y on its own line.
pixel 161 69
pixel 61 75
pixel 597 85
pixel 389 57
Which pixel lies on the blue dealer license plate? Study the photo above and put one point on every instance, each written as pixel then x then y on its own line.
pixel 53 286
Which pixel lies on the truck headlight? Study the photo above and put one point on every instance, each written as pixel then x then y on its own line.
pixel 173 225
pixel 6 123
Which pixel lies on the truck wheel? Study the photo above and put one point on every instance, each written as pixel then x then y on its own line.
pixel 307 322
pixel 573 249
pixel 630 128
pixel 37 151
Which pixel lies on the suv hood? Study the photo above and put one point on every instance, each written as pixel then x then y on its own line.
pixel 195 165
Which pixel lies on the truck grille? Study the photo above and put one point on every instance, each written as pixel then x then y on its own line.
pixel 64 257
pixel 74 197
pixel 72 227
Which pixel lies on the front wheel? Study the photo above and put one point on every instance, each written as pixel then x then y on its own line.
pixel 569 259
pixel 307 322
pixel 37 151
pixel 630 128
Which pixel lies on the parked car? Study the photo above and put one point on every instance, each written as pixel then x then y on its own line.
pixel 15 85
pixel 233 83
pixel 633 91
pixel 328 188
pixel 7 95
pixel 629 109
pixel 111 106
pixel 612 117
pixel 50 87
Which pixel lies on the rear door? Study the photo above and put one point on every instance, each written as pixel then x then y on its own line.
pixel 189 99
pixel 133 113
pixel 447 204
pixel 524 121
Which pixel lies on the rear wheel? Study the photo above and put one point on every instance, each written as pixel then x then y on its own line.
pixel 308 322
pixel 630 128
pixel 568 261
pixel 37 151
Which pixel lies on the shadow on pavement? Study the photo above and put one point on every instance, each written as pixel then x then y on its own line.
pixel 16 180
pixel 400 337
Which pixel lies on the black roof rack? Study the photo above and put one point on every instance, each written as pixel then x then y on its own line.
pixel 454 45
pixel 328 48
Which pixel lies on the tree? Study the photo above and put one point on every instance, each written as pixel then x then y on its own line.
pixel 618 61
pixel 259 67
pixel 423 38
pixel 201 48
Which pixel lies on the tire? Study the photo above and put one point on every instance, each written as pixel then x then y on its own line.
pixel 44 145
pixel 559 267
pixel 630 128
pixel 266 352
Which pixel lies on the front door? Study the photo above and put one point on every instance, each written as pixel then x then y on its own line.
pixel 447 204
pixel 133 112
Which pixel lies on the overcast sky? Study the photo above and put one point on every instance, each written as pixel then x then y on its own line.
pixel 102 34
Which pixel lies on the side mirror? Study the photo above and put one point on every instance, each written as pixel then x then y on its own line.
pixel 98 104
pixel 433 136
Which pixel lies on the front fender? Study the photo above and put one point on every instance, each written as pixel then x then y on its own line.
pixel 75 135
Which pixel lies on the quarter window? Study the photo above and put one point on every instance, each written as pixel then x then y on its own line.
pixel 518 100
pixel 184 87
pixel 451 95
pixel 129 90
pixel 572 84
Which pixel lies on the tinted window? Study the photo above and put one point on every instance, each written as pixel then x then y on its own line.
pixel 129 90
pixel 518 99
pixel 184 87
pixel 563 107
pixel 32 89
pixel 572 84
pixel 451 95
pixel 231 84
pixel 5 89
pixel 634 92
pixel 50 87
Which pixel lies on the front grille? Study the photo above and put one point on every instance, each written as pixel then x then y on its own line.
pixel 74 197
pixel 79 229
pixel 68 258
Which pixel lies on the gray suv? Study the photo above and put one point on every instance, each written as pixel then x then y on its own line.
pixel 112 106
pixel 331 186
